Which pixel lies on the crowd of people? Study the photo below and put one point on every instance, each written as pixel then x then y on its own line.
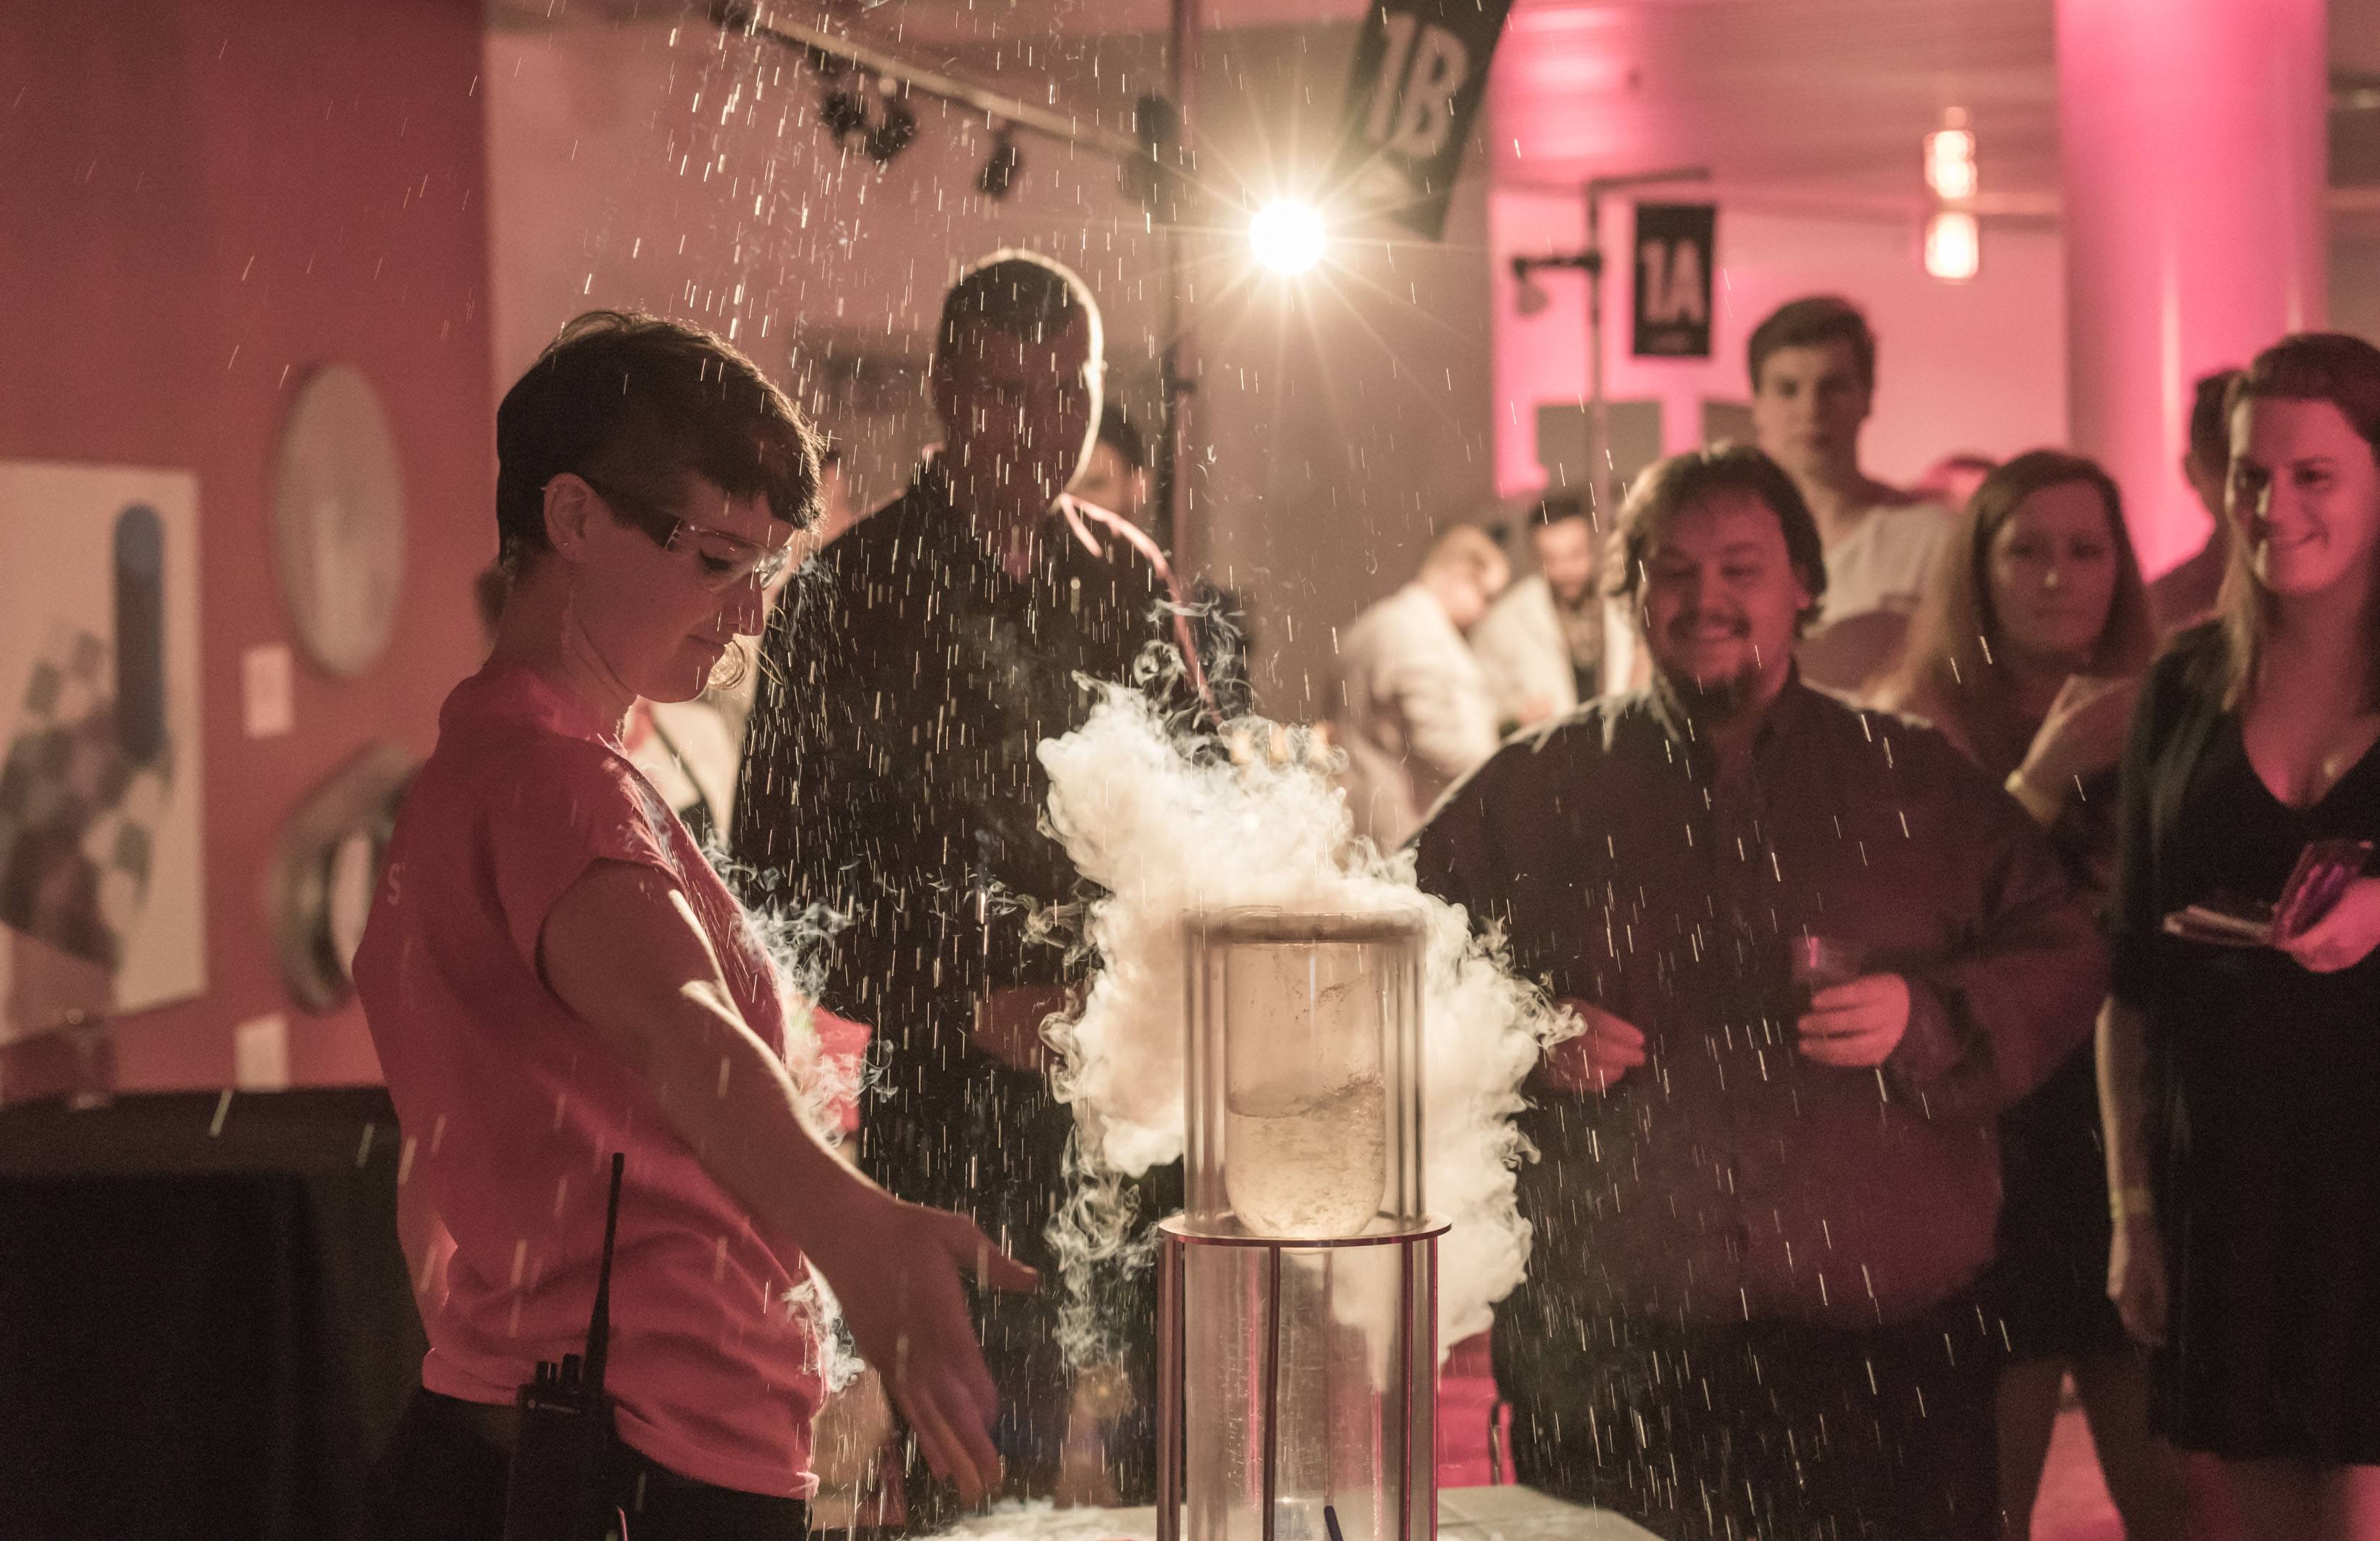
pixel 1848 825
pixel 1811 1300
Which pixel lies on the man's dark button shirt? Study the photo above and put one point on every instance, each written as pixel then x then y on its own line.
pixel 1730 1177
pixel 890 775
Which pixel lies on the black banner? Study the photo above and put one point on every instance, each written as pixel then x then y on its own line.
pixel 1420 71
pixel 1676 247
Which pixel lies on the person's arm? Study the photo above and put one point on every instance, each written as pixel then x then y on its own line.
pixel 1992 1021
pixel 623 951
pixel 2136 1279
pixel 2136 1255
pixel 2083 735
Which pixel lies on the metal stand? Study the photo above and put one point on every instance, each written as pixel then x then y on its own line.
pixel 1416 1454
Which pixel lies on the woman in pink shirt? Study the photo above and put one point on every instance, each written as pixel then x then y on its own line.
pixel 553 973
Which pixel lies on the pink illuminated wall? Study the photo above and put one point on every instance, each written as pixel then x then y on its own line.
pixel 1978 366
pixel 2193 165
pixel 202 200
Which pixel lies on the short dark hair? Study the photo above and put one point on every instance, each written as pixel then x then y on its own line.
pixel 2210 425
pixel 1814 321
pixel 1556 507
pixel 1668 488
pixel 636 402
pixel 1118 434
pixel 1023 294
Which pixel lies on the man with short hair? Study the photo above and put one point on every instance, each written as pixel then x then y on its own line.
pixel 1415 713
pixel 2187 593
pixel 1813 365
pixel 1816 952
pixel 1542 645
pixel 891 780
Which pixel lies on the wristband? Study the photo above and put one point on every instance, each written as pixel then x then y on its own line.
pixel 2135 1202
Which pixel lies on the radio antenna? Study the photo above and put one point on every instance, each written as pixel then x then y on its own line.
pixel 598 1331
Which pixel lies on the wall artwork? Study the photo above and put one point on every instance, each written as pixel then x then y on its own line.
pixel 102 891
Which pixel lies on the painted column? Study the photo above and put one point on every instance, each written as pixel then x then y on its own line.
pixel 2194 168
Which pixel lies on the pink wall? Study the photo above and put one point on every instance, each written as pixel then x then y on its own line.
pixel 201 200
pixel 2194 170
pixel 1979 365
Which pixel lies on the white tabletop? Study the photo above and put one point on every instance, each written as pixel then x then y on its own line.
pixel 1464 1514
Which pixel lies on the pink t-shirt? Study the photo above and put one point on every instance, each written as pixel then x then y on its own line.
pixel 511 1108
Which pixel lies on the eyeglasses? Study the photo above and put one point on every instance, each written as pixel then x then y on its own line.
pixel 721 561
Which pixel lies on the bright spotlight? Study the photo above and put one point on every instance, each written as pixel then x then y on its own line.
pixel 1286 235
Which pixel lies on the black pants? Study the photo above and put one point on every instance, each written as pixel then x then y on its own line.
pixel 1767 1431
pixel 443 1480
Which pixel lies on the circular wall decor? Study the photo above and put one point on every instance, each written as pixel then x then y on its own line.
pixel 338 519
pixel 329 862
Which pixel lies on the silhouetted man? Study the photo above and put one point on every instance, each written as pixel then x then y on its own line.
pixel 890 776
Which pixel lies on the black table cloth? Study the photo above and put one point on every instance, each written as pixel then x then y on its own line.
pixel 205 1328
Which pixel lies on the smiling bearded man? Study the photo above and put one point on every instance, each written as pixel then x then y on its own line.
pixel 1767 1190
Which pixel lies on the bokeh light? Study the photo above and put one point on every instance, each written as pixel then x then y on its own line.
pixel 1287 237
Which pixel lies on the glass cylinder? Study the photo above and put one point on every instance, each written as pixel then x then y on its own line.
pixel 1305 1073
pixel 1300 1286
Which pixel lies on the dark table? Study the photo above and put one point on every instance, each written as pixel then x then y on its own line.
pixel 205 1325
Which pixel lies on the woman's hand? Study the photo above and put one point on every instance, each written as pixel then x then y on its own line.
pixel 1609 1049
pixel 2083 735
pixel 2136 1278
pixel 2343 937
pixel 895 1268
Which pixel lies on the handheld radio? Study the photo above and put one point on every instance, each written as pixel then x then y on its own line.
pixel 555 1492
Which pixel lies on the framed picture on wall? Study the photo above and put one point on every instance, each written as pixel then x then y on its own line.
pixel 102 892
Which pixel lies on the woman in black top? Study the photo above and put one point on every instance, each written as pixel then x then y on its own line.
pixel 2239 1082
pixel 2027 654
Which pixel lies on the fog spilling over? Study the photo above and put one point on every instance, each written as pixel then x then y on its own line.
pixel 1163 823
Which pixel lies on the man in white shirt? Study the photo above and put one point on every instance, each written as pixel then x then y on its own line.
pixel 1415 713
pixel 1813 364
pixel 1542 645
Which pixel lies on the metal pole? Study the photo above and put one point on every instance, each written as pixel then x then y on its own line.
pixel 1429 1454
pixel 1272 1392
pixel 1598 423
pixel 1404 1374
pixel 1178 526
pixel 1170 1422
